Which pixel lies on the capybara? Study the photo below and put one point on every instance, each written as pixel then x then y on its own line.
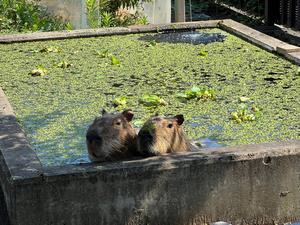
pixel 160 135
pixel 111 137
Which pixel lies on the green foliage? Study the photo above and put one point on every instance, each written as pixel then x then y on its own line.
pixel 64 65
pixel 39 71
pixel 23 15
pixel 107 19
pixel 115 60
pixel 246 113
pixel 104 54
pixel 151 43
pixel 120 102
pixel 104 13
pixel 203 54
pixel 198 93
pixel 50 49
pixel 152 101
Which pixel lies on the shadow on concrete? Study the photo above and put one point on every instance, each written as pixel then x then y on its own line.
pixel 3 210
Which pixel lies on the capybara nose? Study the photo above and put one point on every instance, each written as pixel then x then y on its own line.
pixel 91 136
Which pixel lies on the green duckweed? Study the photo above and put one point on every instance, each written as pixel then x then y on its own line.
pixel 55 110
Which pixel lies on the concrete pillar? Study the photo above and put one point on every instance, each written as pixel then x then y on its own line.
pixel 157 11
pixel 179 10
pixel 69 10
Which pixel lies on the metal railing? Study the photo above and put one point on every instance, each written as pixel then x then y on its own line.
pixel 284 12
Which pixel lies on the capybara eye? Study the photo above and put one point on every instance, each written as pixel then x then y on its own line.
pixel 118 123
pixel 170 125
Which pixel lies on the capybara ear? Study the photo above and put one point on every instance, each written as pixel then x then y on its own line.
pixel 179 119
pixel 103 111
pixel 128 114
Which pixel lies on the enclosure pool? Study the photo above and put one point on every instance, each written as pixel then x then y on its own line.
pixel 81 76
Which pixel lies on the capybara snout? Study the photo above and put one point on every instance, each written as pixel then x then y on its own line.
pixel 160 135
pixel 111 137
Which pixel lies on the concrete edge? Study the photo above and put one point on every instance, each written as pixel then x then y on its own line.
pixel 262 40
pixel 265 151
pixel 21 162
pixel 85 33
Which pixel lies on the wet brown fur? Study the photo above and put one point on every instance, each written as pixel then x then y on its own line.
pixel 161 135
pixel 111 137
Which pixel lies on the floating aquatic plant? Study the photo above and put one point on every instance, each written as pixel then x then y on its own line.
pixel 298 72
pixel 245 114
pixel 120 102
pixel 138 123
pixel 50 49
pixel 203 54
pixel 198 93
pixel 39 71
pixel 115 60
pixel 152 101
pixel 151 43
pixel 63 64
pixel 104 54
pixel 244 99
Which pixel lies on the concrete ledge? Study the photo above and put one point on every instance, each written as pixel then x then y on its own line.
pixel 255 36
pixel 84 33
pixel 251 184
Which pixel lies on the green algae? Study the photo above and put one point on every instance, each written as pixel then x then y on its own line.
pixel 56 109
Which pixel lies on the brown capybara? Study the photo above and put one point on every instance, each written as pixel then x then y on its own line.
pixel 161 135
pixel 111 137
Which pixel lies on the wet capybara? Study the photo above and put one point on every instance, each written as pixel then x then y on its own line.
pixel 111 137
pixel 160 135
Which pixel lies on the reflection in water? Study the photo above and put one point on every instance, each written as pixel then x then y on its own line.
pixel 209 143
pixel 191 37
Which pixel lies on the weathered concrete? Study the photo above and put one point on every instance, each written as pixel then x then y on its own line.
pixel 253 184
pixel 84 33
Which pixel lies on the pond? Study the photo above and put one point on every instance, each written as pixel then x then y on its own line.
pixel 80 76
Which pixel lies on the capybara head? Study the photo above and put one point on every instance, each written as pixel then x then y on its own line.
pixel 111 137
pixel 160 135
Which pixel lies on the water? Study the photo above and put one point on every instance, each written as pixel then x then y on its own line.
pixel 191 37
pixel 209 143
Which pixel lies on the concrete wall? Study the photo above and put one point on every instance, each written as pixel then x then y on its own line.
pixel 256 184
pixel 253 184
pixel 69 10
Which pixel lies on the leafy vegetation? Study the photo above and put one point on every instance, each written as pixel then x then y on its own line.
pixel 246 113
pixel 109 13
pixel 56 109
pixel 64 64
pixel 39 71
pixel 24 16
pixel 120 102
pixel 152 101
pixel 198 93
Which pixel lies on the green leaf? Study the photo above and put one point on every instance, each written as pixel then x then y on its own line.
pixel 120 101
pixel 115 60
pixel 196 92
pixel 298 72
pixel 244 99
pixel 104 54
pixel 203 54
pixel 152 101
pixel 63 64
pixel 50 49
pixel 138 123
pixel 39 71
pixel 151 43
